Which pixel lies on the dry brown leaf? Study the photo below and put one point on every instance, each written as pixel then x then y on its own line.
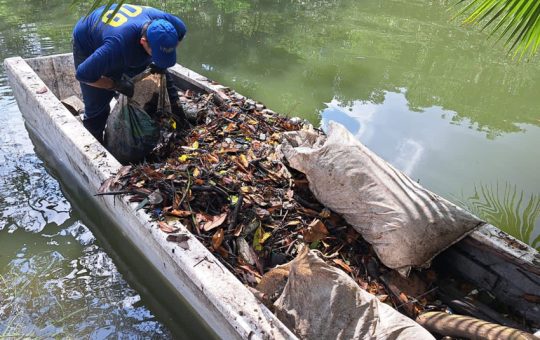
pixel 238 230
pixel 212 158
pixel 223 252
pixel 230 128
pixel 343 265
pixel 228 150
pixel 325 213
pixel 243 160
pixel 214 222
pixel 179 213
pixel 176 201
pixel 202 217
pixel 165 227
pixel 315 231
pixel 182 240
pixel 403 297
pixel 293 222
pixel 112 183
pixel 532 298
pixel 217 238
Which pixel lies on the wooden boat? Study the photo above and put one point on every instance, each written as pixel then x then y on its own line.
pixel 489 258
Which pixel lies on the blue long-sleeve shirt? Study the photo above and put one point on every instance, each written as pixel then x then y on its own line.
pixel 114 48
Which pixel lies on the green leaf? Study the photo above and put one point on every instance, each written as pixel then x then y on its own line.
pixel 515 21
pixel 108 4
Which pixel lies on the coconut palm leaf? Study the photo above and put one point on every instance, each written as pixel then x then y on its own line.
pixel 517 22
pixel 107 3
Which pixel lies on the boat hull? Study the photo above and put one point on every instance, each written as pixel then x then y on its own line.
pixel 488 258
pixel 222 301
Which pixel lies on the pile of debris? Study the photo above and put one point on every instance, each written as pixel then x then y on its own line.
pixel 226 181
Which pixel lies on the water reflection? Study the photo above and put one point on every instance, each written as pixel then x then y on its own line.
pixel 434 99
pixel 49 295
pixel 450 156
pixel 503 204
pixel 295 56
pixel 55 281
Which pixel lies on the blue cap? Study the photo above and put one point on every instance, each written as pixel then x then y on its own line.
pixel 163 39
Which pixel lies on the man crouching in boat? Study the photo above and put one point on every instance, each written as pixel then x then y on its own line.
pixel 107 53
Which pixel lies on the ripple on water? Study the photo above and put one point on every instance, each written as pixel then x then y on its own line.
pixel 55 281
pixel 49 295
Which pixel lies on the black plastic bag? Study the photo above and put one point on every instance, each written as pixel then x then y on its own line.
pixel 131 134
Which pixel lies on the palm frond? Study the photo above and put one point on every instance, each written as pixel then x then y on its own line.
pixel 515 21
pixel 107 3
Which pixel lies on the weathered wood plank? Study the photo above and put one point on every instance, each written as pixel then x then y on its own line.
pixel 501 264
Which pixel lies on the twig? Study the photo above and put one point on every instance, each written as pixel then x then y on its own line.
pixel 415 299
pixel 114 193
pixel 234 218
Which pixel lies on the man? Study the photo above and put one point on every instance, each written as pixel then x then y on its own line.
pixel 107 53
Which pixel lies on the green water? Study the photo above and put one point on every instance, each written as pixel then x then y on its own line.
pixel 436 100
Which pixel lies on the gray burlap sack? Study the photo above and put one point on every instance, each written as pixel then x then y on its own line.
pixel 406 224
pixel 322 302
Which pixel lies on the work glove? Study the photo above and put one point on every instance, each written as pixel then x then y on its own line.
pixel 124 86
pixel 156 69
pixel 179 116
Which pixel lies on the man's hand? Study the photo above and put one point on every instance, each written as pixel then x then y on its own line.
pixel 124 86
pixel 179 116
pixel 155 69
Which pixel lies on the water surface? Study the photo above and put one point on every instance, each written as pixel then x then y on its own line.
pixel 438 101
